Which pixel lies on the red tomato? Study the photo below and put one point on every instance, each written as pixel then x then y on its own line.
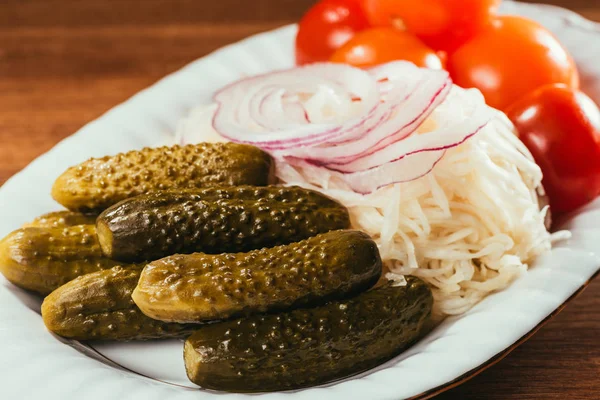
pixel 441 24
pixel 326 27
pixel 511 59
pixel 380 45
pixel 561 128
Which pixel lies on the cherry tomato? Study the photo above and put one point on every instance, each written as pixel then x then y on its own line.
pixel 326 27
pixel 380 45
pixel 561 128
pixel 511 59
pixel 441 24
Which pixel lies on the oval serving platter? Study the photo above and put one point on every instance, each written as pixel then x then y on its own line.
pixel 38 364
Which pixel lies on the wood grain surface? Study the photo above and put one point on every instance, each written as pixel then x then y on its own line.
pixel 65 62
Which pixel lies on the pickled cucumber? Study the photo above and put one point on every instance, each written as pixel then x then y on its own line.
pixel 42 259
pixel 98 306
pixel 62 219
pixel 215 220
pixel 99 183
pixel 308 347
pixel 200 287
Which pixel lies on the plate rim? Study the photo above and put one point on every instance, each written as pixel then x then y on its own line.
pixel 467 376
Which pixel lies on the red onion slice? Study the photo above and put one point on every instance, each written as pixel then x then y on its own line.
pixel 236 120
pixel 402 120
pixel 465 115
pixel 361 126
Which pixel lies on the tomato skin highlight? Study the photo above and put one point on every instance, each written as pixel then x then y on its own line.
pixel 381 45
pixel 561 128
pixel 326 27
pixel 440 24
pixel 510 59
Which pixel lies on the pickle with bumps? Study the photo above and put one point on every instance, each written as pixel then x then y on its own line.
pixel 307 347
pixel 99 183
pixel 62 219
pixel 201 287
pixel 215 220
pixel 98 306
pixel 42 259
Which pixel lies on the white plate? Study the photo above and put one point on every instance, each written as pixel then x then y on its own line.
pixel 36 364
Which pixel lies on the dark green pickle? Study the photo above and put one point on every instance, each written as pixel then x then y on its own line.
pixel 308 347
pixel 98 306
pixel 215 220
pixel 42 259
pixel 201 287
pixel 98 183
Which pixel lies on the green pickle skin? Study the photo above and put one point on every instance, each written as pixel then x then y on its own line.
pixel 308 347
pixel 42 259
pixel 215 220
pixel 98 183
pixel 98 306
pixel 201 287
pixel 62 219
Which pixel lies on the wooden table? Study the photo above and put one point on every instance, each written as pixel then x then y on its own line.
pixel 65 62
